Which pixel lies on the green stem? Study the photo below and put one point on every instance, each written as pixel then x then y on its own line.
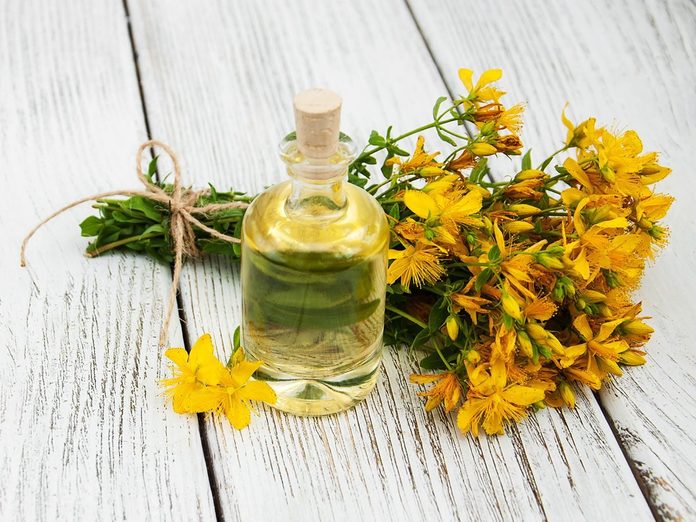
pixel 110 246
pixel 370 152
pixel 405 315
pixel 546 162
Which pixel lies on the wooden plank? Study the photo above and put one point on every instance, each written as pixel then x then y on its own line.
pixel 218 85
pixel 632 63
pixel 85 433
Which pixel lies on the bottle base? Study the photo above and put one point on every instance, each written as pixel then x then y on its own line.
pixel 312 397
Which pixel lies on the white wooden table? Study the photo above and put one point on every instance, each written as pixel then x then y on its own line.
pixel 84 431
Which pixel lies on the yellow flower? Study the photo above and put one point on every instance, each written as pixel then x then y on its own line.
pixel 540 309
pixel 491 402
pixel 580 136
pixel 482 90
pixel 448 209
pixel 511 119
pixel 599 349
pixel 472 304
pixel 192 372
pixel 447 389
pixel 418 161
pixel 236 390
pixel 417 264
pixel 201 383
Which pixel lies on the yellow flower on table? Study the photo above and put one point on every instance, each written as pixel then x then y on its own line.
pixel 448 389
pixel 192 372
pixel 600 352
pixel 492 402
pixel 201 383
pixel 236 390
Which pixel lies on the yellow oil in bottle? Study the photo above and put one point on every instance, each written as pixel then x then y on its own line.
pixel 314 257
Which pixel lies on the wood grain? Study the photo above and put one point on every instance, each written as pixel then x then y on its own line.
pixel 218 84
pixel 629 62
pixel 84 432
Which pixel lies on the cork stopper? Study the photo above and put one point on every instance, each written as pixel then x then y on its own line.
pixel 317 122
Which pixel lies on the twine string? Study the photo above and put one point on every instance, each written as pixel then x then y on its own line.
pixel 181 204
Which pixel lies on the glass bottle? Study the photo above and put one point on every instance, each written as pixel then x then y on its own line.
pixel 314 257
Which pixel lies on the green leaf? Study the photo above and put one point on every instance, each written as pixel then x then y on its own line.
pixel 237 247
pixel 92 226
pixel 236 338
pixel 356 180
pixel 494 254
pixel 394 211
pixel 213 192
pixel 376 139
pixel 146 206
pixel 154 229
pixel 483 279
pixel 387 170
pixel 436 107
pixel 479 170
pixel 444 137
pixel 420 338
pixel 437 317
pixel 152 168
pixel 527 160
pixel 432 362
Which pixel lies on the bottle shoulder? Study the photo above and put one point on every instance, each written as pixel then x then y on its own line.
pixel 359 229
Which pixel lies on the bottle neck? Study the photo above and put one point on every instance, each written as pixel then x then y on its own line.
pixel 323 197
pixel 318 189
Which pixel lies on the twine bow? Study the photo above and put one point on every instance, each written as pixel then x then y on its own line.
pixel 182 207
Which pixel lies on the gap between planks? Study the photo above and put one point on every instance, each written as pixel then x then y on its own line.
pixel 202 430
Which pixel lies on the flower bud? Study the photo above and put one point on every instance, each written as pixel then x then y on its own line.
pixel 536 332
pixel 567 394
pixel 522 209
pixel 592 296
pixel 518 227
pixel 609 366
pixel 636 327
pixel 452 327
pixel 632 358
pixel 431 171
pixel 549 261
pixel 525 344
pixel 482 149
pixel 529 174
pixel 511 307
pixel 554 344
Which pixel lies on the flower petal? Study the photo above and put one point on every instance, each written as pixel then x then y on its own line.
pixel 178 356
pixel 258 391
pixel 466 76
pixel 522 395
pixel 237 413
pixel 421 204
pixel 243 371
